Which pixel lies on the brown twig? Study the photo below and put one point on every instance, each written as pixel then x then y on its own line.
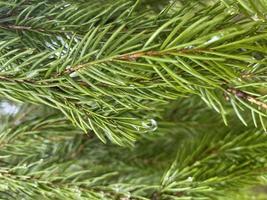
pixel 131 57
pixel 134 56
pixel 21 28
pixel 10 79
pixel 250 98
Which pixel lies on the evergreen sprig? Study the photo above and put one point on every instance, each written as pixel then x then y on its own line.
pixel 40 159
pixel 147 75
pixel 110 68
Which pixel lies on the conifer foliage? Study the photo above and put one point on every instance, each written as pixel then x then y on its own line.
pixel 132 99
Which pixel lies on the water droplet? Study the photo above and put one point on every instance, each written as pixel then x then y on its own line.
pixel 190 47
pixel 150 125
pixel 190 179
pixel 232 10
pixel 214 39
pixel 7 108
pixel 257 18
pixel 74 74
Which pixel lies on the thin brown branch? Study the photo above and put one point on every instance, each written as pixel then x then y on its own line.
pixel 10 79
pixel 250 98
pixel 131 57
pixel 134 56
pixel 21 28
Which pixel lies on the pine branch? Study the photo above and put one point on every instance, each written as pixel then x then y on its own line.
pixel 104 80
pixel 46 161
pixel 147 75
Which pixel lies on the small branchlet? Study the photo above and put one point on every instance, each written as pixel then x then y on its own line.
pixel 250 98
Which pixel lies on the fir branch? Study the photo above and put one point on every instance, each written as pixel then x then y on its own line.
pixel 201 166
pixel 110 75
